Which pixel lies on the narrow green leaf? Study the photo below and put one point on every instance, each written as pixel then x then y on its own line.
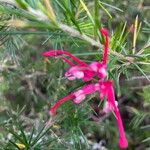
pixel 88 12
pixel 107 12
pixel 14 144
pixel 22 4
pixel 141 71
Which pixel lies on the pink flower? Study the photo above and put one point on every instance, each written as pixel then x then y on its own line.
pixel 107 91
pixel 99 69
pixel 80 72
pixel 53 53
pixel 77 96
pixel 107 108
pixel 54 108
pixel 87 72
pixel 74 73
pixel 81 94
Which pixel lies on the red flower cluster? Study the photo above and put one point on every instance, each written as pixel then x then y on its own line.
pixel 81 70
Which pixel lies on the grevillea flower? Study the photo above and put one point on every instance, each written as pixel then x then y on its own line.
pixel 87 72
pixel 108 107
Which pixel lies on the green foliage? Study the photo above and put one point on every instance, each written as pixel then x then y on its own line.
pixel 17 135
pixel 146 95
pixel 30 27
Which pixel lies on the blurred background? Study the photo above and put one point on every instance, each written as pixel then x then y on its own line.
pixel 30 84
